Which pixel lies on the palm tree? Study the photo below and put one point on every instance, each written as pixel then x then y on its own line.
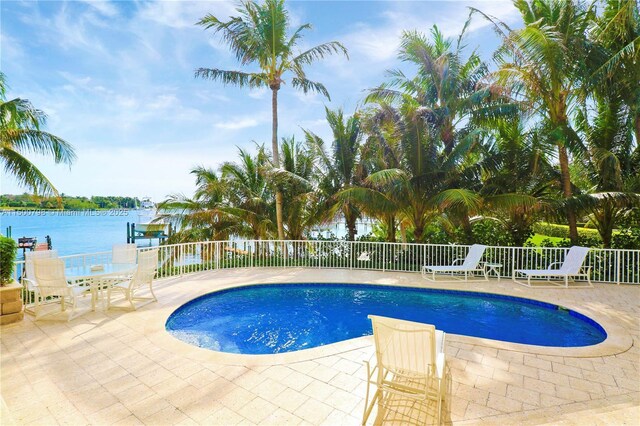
pixel 339 168
pixel 617 31
pixel 205 217
pixel 295 179
pixel 249 195
pixel 435 115
pixel 426 180
pixel 543 65
pixel 518 180
pixel 260 35
pixel 20 133
pixel 447 88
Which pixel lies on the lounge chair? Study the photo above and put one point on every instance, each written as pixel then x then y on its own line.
pixel 146 271
pixel 470 264
pixel 572 267
pixel 410 366
pixel 51 287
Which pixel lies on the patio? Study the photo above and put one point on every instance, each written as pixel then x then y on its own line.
pixel 123 368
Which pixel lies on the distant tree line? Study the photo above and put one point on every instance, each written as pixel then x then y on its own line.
pixel 29 201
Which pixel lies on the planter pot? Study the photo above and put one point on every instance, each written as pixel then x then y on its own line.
pixel 11 303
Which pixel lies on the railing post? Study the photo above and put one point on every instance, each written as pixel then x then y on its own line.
pixel 384 257
pixel 513 250
pixel 618 267
pixel 351 251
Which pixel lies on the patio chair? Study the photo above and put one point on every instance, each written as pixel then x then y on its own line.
pixel 572 267
pixel 143 276
pixel 124 253
pixel 410 365
pixel 51 287
pixel 29 277
pixel 470 264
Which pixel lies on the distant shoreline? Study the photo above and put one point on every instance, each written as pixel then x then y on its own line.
pixel 26 211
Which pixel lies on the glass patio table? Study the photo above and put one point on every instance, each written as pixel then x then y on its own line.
pixel 97 276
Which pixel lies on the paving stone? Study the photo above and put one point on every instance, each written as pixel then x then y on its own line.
pixel 106 368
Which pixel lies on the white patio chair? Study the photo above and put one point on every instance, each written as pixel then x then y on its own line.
pixel 470 264
pixel 410 365
pixel 143 276
pixel 29 277
pixel 571 268
pixel 51 287
pixel 124 253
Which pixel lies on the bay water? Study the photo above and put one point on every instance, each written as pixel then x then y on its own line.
pixel 71 232
pixel 92 231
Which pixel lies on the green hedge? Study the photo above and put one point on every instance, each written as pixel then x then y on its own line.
pixel 562 231
pixel 8 249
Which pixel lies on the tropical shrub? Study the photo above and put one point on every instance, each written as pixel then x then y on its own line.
pixel 8 249
pixel 491 233
pixel 627 239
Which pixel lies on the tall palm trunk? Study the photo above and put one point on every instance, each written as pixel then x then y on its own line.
pixel 605 222
pixel 566 191
pixel 276 156
pixel 391 228
pixel 637 128
pixel 350 220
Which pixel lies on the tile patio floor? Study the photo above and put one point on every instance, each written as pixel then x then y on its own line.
pixel 123 368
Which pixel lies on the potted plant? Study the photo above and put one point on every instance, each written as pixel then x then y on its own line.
pixel 10 291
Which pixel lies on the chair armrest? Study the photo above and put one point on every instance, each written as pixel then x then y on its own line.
pixel 457 260
pixel 555 263
pixel 440 361
pixel 30 284
pixel 370 371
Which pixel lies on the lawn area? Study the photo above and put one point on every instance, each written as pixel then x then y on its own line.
pixel 537 239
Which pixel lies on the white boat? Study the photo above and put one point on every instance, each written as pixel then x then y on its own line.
pixel 148 226
pixel 147 204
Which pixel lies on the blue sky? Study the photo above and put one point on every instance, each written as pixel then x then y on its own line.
pixel 116 80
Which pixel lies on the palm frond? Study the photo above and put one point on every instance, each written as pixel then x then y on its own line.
pixel 234 78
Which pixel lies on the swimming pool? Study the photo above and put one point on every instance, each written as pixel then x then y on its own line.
pixel 276 318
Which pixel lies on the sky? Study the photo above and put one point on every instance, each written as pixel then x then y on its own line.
pixel 116 80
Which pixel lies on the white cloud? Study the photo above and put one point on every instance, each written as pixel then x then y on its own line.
pixel 258 93
pixel 183 14
pixel 238 123
pixel 380 42
pixel 103 7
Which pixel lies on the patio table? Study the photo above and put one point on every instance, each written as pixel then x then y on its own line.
pixel 95 275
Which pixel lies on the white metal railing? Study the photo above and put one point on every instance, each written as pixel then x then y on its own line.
pixel 607 266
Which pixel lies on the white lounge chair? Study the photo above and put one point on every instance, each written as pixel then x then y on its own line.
pixel 470 264
pixel 51 287
pixel 124 253
pixel 410 366
pixel 571 267
pixel 146 271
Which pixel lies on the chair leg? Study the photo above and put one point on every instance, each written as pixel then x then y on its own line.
pixel 155 299
pixel 109 297
pixel 130 298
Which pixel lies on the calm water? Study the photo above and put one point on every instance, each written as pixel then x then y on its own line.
pixel 269 319
pixel 72 232
pixel 95 231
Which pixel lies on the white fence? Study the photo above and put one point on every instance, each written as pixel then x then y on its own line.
pixel 607 266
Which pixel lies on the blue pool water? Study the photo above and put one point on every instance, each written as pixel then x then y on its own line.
pixel 267 319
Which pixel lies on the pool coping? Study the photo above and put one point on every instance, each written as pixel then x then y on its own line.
pixel 618 339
